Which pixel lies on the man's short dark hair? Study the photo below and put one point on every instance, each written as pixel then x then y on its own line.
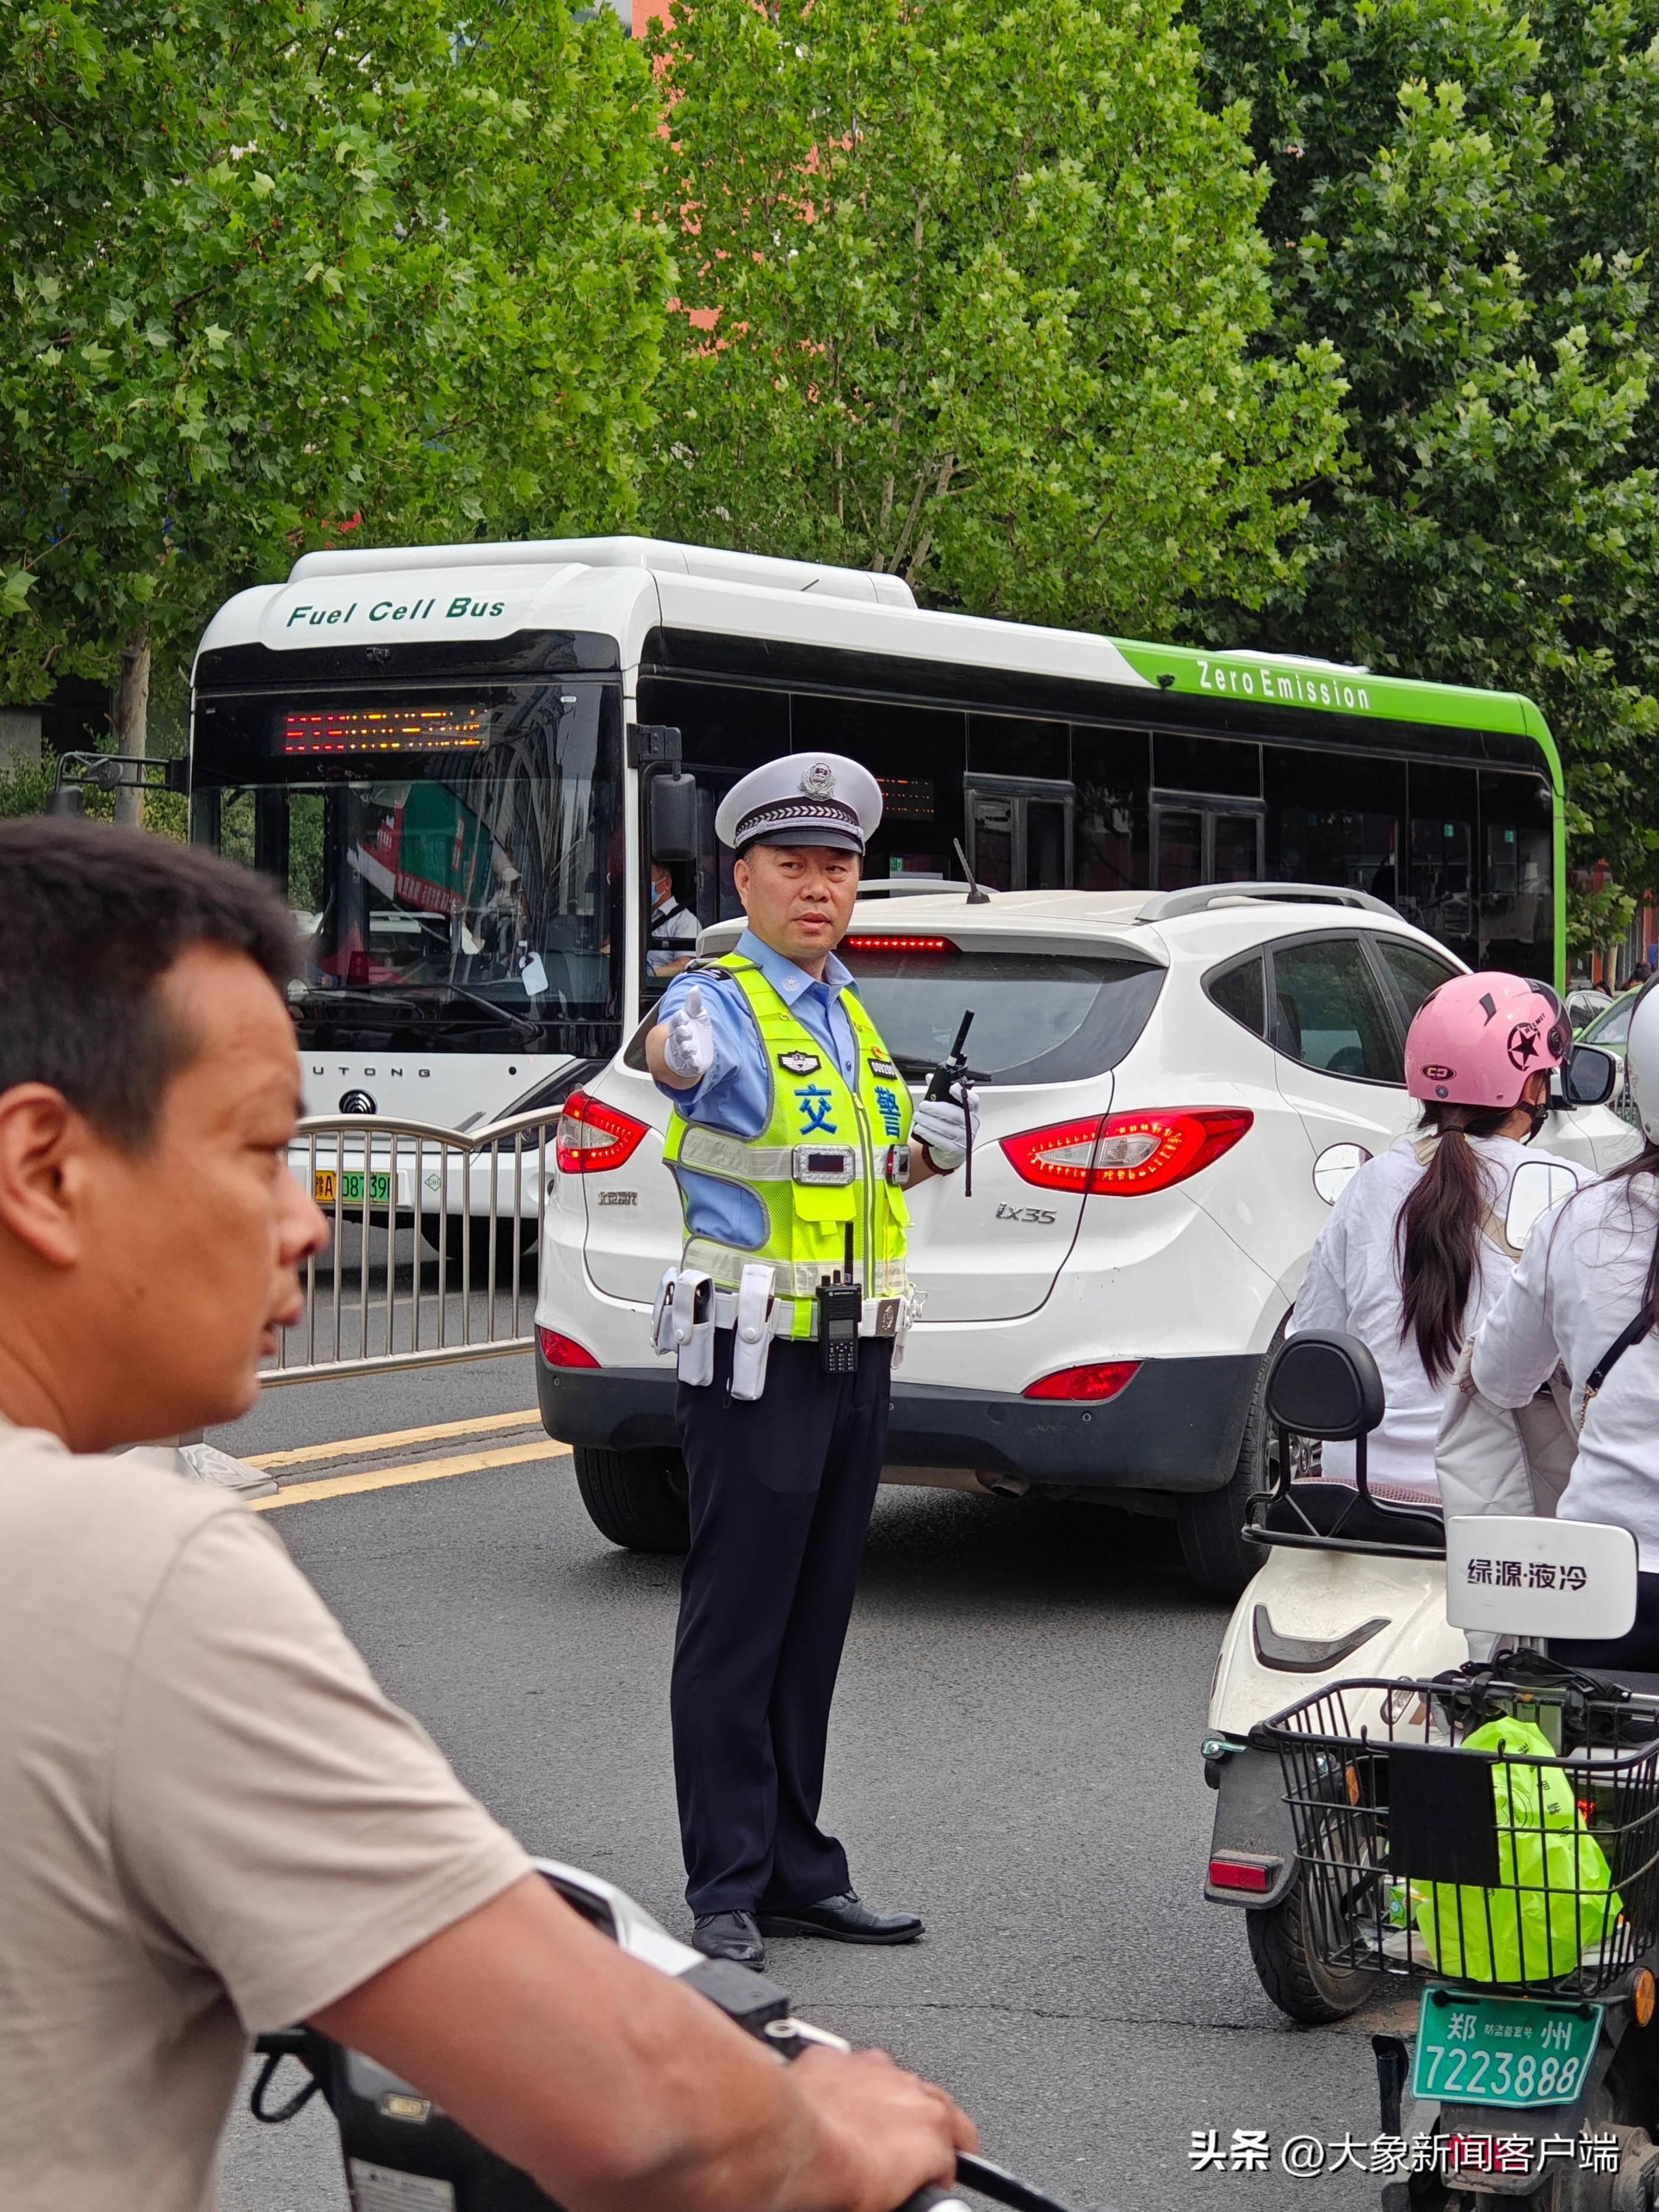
pixel 91 919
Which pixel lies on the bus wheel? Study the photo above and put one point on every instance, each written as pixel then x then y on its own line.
pixel 636 1499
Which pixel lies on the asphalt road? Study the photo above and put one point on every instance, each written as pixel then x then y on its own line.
pixel 1015 1754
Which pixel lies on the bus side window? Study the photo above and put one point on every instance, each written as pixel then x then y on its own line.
pixel 1019 830
pixel 1112 769
pixel 1516 913
pixel 1335 818
pixel 1441 885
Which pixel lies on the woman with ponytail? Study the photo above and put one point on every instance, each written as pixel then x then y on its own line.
pixel 1585 1296
pixel 1414 1251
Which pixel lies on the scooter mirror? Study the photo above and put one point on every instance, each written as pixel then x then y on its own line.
pixel 1537 1185
pixel 1336 1168
pixel 1519 1575
pixel 1325 1385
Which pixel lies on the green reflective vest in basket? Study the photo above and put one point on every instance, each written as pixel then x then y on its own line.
pixel 821 1162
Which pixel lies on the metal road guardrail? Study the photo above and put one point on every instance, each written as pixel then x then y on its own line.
pixel 432 1229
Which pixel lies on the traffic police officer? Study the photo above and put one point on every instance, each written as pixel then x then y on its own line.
pixel 793 1139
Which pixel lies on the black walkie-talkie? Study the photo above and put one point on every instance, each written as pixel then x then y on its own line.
pixel 841 1305
pixel 950 1072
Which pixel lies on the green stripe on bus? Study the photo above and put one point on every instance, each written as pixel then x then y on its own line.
pixel 1326 689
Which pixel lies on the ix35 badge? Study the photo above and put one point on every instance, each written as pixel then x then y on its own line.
pixel 800 1063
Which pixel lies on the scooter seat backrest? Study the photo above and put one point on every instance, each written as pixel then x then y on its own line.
pixel 1324 1384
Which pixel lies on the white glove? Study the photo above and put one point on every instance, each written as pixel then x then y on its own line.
pixel 947 1126
pixel 688 1048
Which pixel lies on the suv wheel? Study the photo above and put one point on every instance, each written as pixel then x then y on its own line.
pixel 1221 1559
pixel 636 1499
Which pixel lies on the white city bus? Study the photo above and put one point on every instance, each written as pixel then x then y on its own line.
pixel 459 760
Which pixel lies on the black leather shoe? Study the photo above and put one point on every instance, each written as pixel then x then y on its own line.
pixel 843 1919
pixel 730 1935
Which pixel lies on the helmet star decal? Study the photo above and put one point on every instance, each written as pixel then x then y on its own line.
pixel 1524 1044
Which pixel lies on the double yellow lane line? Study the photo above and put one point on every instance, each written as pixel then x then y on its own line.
pixel 433 1468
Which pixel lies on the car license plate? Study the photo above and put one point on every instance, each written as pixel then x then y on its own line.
pixel 348 1184
pixel 1503 2051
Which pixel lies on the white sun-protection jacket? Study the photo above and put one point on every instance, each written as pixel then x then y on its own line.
pixel 1352 1284
pixel 1580 1281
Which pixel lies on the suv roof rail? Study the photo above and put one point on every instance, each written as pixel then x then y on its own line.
pixel 909 886
pixel 1198 898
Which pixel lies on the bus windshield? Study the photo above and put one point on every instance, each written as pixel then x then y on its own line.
pixel 446 854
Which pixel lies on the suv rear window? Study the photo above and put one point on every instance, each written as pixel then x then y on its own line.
pixel 1038 1016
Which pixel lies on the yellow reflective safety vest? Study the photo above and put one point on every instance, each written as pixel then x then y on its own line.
pixel 825 1159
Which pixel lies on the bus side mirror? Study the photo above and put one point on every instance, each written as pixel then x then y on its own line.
pixel 673 817
pixel 1537 1185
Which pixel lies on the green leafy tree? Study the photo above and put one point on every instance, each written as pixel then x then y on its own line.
pixel 283 268
pixel 967 293
pixel 1463 198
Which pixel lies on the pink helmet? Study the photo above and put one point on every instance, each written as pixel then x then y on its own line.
pixel 1476 1040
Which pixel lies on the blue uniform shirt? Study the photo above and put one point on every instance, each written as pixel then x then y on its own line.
pixel 733 1095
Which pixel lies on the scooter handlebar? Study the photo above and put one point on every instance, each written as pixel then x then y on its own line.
pixel 930 2197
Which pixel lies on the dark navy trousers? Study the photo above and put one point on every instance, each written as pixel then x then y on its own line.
pixel 780 1492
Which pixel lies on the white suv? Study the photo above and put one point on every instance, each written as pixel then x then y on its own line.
pixel 1160 1076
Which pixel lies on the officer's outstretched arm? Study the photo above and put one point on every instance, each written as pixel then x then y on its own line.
pixel 620 2091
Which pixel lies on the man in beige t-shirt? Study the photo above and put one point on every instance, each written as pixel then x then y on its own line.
pixel 212 1822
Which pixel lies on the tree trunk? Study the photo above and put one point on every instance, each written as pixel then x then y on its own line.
pixel 132 720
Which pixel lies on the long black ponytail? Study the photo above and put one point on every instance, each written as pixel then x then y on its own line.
pixel 1438 1233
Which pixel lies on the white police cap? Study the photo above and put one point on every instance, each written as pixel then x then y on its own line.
pixel 806 799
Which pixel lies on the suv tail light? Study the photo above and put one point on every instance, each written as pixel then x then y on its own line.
pixel 1120 1155
pixel 1096 1380
pixel 563 1351
pixel 592 1136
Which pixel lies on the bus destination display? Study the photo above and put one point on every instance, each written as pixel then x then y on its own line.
pixel 443 728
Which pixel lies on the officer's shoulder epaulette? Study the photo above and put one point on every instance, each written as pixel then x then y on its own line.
pixel 728 964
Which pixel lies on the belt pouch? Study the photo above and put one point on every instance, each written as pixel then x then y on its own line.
pixel 752 1339
pixel 694 1328
pixel 662 1312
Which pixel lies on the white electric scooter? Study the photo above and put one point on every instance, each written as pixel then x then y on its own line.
pixel 1353 1582
pixel 1487 1840
pixel 403 2153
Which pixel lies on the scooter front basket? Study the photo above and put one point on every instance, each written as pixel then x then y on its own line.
pixel 1494 1828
